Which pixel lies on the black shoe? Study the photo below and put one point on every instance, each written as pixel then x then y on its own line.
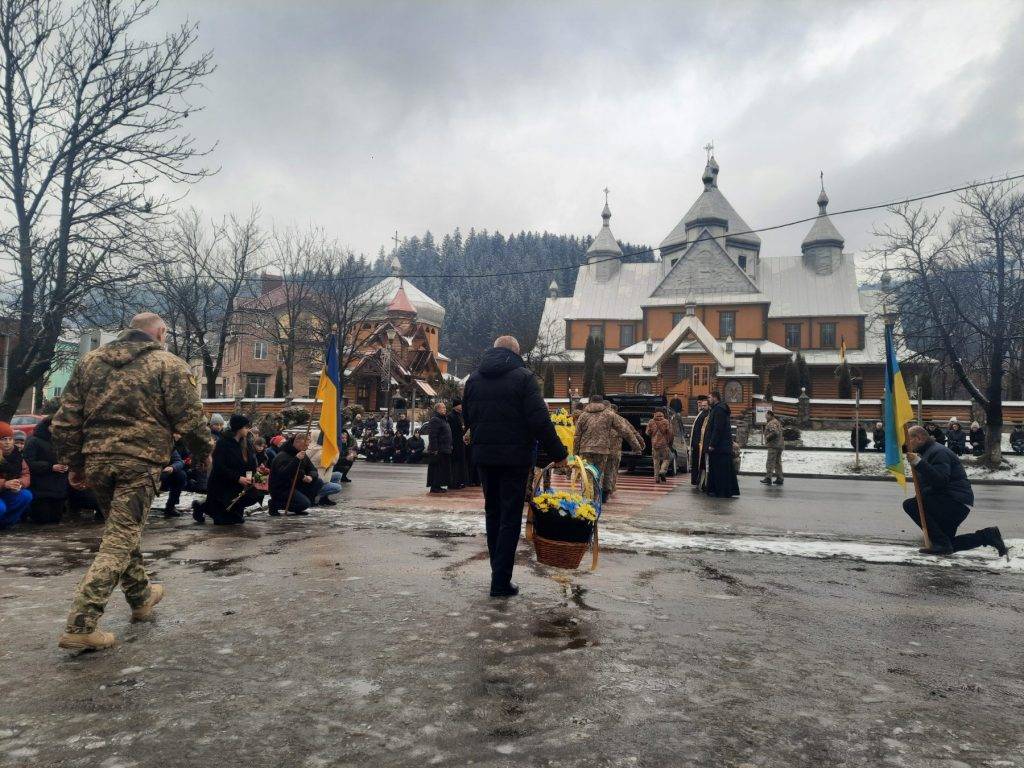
pixel 779 481
pixel 326 503
pixel 171 512
pixel 346 480
pixel 934 550
pixel 994 538
pixel 272 511
pixel 197 513
pixel 438 490
pixel 511 590
pixel 766 481
pixel 663 478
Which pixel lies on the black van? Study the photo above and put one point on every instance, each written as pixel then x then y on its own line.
pixel 638 410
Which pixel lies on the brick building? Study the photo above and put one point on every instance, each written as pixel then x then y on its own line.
pixel 691 321
pixel 401 331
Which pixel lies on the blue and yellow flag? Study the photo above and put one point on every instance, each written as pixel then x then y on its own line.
pixel 898 411
pixel 327 392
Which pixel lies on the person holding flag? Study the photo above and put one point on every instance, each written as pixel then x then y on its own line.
pixel 942 493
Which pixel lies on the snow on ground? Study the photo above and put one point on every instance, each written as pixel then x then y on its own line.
pixel 840 438
pixel 793 546
pixel 796 461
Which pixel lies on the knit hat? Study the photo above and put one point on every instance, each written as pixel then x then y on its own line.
pixel 238 421
pixel 277 441
pixel 217 419
pixel 6 430
pixel 20 436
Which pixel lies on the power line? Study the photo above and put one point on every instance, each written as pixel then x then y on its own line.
pixel 771 228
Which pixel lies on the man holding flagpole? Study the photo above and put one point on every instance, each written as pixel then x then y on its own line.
pixel 943 495
pixel 327 393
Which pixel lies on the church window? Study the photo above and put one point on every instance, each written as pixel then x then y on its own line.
pixel 677 318
pixel 597 331
pixel 793 335
pixel 742 261
pixel 828 335
pixel 627 336
pixel 643 387
pixel 726 324
pixel 684 371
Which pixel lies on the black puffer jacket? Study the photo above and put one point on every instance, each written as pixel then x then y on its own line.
pixel 440 433
pixel 942 474
pixel 506 414
pixel 40 456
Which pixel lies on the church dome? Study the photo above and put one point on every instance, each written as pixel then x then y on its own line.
pixel 605 245
pixel 822 248
pixel 712 210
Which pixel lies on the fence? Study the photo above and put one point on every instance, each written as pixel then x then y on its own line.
pixel 836 410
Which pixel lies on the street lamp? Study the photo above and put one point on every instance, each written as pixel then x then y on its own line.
pixel 391 333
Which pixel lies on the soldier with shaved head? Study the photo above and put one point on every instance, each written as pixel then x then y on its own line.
pixel 947 496
pixel 115 429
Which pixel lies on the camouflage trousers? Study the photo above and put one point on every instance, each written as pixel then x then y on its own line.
pixel 773 464
pixel 125 489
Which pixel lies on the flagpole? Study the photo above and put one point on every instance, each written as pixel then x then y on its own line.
pixel 917 494
pixel 309 428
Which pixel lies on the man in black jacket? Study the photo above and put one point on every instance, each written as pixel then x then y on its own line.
pixel 292 470
pixel 947 497
pixel 507 416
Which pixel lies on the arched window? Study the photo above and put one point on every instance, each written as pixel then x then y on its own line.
pixel 643 387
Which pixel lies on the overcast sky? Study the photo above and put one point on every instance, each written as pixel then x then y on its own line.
pixel 367 117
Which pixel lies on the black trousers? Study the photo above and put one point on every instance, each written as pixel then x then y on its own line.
pixel 943 516
pixel 504 496
pixel 174 482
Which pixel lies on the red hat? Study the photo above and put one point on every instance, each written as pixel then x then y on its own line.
pixel 6 430
pixel 277 441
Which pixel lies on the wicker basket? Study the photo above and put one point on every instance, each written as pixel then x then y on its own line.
pixel 567 554
pixel 559 554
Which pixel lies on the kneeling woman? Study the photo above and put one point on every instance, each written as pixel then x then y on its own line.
pixel 230 488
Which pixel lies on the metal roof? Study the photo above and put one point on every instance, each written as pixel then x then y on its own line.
pixel 823 230
pixel 711 206
pixel 605 243
pixel 796 291
pixel 618 298
pixel 427 310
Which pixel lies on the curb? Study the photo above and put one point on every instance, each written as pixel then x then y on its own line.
pixel 876 478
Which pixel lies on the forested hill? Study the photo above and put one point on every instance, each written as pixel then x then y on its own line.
pixel 481 308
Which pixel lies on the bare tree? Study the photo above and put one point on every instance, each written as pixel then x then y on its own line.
pixel 348 300
pixel 90 119
pixel 283 315
pixel 200 283
pixel 965 284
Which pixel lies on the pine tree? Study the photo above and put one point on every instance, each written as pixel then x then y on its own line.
pixel 925 383
pixel 791 379
pixel 845 382
pixel 279 384
pixel 804 373
pixel 588 366
pixel 759 369
pixel 597 375
pixel 549 381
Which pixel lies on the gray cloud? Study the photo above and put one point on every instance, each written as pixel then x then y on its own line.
pixel 374 116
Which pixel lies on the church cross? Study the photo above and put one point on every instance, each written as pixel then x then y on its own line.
pixel 710 149
pixel 606 191
pixel 395 238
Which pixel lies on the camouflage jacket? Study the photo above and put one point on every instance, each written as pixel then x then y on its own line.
pixel 130 397
pixel 599 429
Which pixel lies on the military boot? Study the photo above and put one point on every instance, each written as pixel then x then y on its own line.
pixel 94 641
pixel 144 611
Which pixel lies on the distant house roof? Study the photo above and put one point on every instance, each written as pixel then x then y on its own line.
pixel 427 310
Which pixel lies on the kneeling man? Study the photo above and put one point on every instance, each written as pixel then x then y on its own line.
pixel 947 497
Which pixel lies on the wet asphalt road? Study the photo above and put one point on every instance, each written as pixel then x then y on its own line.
pixel 334 641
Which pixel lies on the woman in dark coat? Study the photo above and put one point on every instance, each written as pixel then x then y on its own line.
pixel 439 449
pixel 230 488
pixel 956 438
pixel 49 477
pixel 722 480
pixel 977 439
pixel 459 469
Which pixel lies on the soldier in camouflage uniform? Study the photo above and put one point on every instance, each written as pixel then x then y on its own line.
pixel 119 413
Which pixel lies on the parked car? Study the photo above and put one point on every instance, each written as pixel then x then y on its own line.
pixel 26 422
pixel 638 410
